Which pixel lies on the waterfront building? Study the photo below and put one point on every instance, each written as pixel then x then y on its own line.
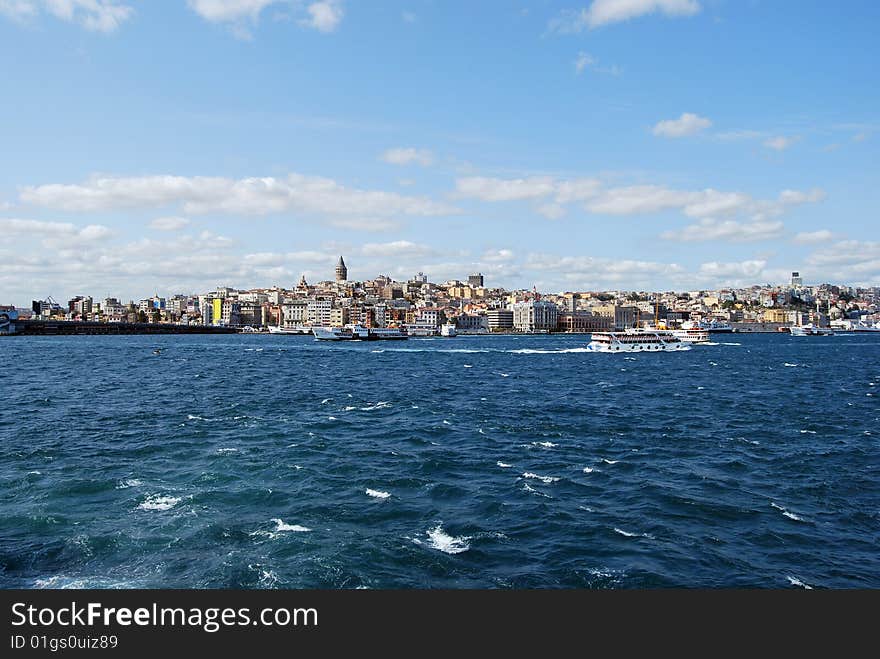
pixel 582 321
pixel 295 313
pixel 339 316
pixel 499 319
pixel 470 323
pixel 341 271
pixel 433 317
pixel 535 316
pixel 318 312
pixel 621 316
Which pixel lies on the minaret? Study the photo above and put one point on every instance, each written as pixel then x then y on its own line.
pixel 341 271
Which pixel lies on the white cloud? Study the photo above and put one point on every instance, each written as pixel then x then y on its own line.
pixel 95 15
pixel 54 233
pixel 846 252
pixel 715 208
pixel 854 262
pixel 498 255
pixel 585 62
pixel 638 199
pixel 709 229
pixel 796 197
pixel 248 196
pixel 607 12
pixel 396 249
pixel 812 237
pixel 324 16
pixel 171 223
pixel 223 11
pixel 687 124
pixel 536 187
pixel 781 143
pixel 408 156
pixel 743 270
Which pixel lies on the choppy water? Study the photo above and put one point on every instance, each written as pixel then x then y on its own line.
pixel 280 462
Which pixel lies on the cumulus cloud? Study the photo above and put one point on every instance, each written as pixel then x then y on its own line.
pixel 742 270
pixel 248 196
pixel 715 208
pixel 687 124
pixel 222 11
pixel 169 223
pixel 323 15
pixel 731 230
pixel 396 249
pixel 54 233
pixel 497 255
pixel 536 187
pixel 408 156
pixel 607 12
pixel 586 62
pixel 781 142
pixel 94 15
pixel 812 237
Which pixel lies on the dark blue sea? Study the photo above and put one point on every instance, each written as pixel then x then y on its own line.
pixel 474 462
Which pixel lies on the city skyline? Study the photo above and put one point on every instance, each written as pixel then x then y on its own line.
pixel 632 146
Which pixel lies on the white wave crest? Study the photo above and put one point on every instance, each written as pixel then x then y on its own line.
pixel 381 405
pixel 157 502
pixel 129 482
pixel 633 535
pixel 503 465
pixel 543 479
pixel 294 528
pixel 378 494
pixel 787 513
pixel 794 581
pixel 441 541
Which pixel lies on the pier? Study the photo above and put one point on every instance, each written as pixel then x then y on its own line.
pixel 76 327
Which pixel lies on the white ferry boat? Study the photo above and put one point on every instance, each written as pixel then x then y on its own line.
pixel 357 332
pixel 449 330
pixel 636 341
pixel 290 329
pixel 810 330
pixel 859 326
pixel 421 329
pixel 714 326
pixel 683 335
pixel 691 335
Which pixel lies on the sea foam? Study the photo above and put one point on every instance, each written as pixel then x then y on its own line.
pixel 157 502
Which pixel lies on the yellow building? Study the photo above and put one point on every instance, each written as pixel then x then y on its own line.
pixel 775 316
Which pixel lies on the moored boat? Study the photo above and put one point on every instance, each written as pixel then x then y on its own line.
pixel 448 330
pixel 358 332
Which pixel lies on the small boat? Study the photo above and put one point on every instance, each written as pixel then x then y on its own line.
pixel 810 330
pixel 711 326
pixel 358 332
pixel 290 329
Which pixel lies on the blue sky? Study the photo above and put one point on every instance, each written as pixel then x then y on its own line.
pixel 173 146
